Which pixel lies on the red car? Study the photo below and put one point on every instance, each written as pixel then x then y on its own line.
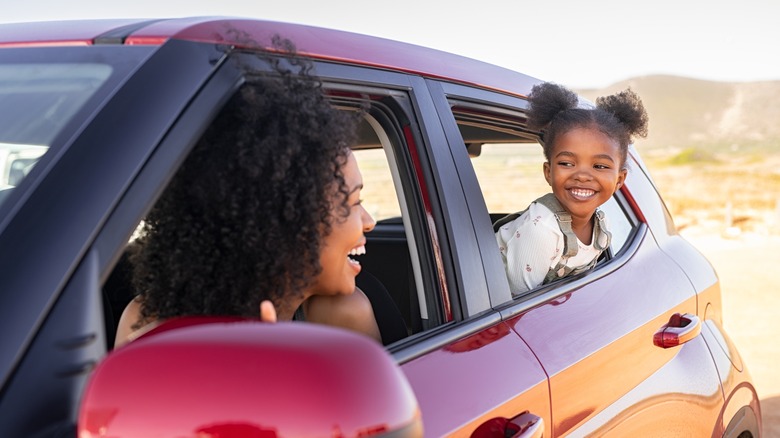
pixel 96 115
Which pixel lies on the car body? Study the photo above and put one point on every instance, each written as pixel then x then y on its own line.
pixel 635 347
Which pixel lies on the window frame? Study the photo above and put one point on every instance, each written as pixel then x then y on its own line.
pixel 503 106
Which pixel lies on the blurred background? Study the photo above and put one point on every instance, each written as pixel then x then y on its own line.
pixel 707 71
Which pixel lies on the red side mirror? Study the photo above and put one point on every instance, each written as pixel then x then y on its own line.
pixel 222 378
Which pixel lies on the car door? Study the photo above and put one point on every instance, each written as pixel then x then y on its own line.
pixel 470 372
pixel 52 267
pixel 594 333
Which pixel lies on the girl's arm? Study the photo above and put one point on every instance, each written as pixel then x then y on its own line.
pixel 529 250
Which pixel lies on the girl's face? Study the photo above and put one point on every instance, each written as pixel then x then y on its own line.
pixel 346 238
pixel 584 171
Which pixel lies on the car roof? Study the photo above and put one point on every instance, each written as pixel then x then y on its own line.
pixel 315 42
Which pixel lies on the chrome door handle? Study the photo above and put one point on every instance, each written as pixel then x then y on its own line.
pixel 525 425
pixel 680 329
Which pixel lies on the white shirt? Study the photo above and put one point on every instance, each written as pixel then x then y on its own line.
pixel 532 244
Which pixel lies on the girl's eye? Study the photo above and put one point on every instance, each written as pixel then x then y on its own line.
pixel 565 163
pixel 601 166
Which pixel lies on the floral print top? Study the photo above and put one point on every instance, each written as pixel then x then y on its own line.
pixel 532 244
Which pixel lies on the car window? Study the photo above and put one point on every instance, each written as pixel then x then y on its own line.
pixel 400 251
pixel 621 224
pixel 508 161
pixel 510 175
pixel 396 250
pixel 36 101
pixel 390 255
pixel 379 192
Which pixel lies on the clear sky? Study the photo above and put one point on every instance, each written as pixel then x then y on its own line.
pixel 578 43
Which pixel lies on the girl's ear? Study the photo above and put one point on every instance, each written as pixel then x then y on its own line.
pixel 621 179
pixel 267 311
pixel 546 170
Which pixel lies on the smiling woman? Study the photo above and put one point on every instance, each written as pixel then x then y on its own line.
pixel 266 207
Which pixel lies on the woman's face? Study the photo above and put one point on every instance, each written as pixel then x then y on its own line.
pixel 346 238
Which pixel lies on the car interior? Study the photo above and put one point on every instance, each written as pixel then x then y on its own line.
pixel 387 275
pixel 391 276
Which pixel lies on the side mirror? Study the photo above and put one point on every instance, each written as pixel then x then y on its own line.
pixel 221 378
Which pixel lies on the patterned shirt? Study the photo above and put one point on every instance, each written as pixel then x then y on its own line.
pixel 532 244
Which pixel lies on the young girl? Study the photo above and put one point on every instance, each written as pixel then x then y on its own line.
pixel 563 233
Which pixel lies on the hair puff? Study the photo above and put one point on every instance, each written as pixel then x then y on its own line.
pixel 547 101
pixel 554 111
pixel 627 107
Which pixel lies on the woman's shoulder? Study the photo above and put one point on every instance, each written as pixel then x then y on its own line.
pixel 130 325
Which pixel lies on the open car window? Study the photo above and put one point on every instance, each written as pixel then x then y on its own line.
pixel 508 161
pixel 397 250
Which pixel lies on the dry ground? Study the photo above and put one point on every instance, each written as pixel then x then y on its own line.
pixel 750 287
pixel 740 190
pixel 730 210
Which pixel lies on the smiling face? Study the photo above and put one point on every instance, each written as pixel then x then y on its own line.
pixel 346 238
pixel 584 171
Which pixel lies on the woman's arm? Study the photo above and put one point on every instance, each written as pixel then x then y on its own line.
pixel 353 312
pixel 128 329
pixel 130 316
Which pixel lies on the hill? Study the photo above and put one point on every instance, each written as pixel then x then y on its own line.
pixel 718 117
pixel 713 149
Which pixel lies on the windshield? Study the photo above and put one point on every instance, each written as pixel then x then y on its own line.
pixel 36 101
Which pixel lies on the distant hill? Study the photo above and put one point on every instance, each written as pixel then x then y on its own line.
pixel 689 113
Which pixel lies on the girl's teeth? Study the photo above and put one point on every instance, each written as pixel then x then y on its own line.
pixel 582 193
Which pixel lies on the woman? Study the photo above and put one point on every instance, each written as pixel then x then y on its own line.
pixel 262 218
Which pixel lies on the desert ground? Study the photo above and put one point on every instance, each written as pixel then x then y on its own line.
pixel 730 210
pixel 751 301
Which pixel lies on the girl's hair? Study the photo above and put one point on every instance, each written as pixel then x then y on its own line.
pixel 554 111
pixel 243 218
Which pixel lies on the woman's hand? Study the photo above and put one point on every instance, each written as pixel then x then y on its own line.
pixel 267 311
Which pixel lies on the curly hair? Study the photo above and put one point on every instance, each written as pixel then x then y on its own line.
pixel 243 218
pixel 554 111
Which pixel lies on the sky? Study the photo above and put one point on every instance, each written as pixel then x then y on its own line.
pixel 577 43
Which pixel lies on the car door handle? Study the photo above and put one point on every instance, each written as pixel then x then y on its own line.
pixel 525 425
pixel 680 329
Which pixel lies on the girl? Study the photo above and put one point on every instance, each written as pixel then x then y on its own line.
pixel 564 233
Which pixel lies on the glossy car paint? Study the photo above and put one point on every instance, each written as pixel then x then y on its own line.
pixel 213 377
pixel 579 357
pixel 65 33
pixel 450 383
pixel 316 42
